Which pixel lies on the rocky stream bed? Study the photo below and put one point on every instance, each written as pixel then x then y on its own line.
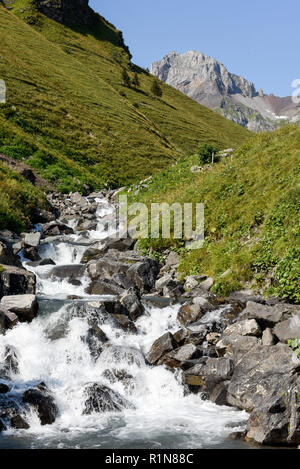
pixel 101 347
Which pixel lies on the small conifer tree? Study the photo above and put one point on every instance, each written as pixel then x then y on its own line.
pixel 156 89
pixel 125 79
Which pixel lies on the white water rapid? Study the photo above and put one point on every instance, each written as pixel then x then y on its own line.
pixel 53 349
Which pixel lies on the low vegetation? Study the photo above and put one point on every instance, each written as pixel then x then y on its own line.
pixel 252 215
pixel 18 200
pixel 69 115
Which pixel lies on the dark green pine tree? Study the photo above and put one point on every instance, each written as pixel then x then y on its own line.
pixel 136 81
pixel 156 89
pixel 125 79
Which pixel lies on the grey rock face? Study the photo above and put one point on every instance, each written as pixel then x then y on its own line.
pixel 16 281
pixel 161 346
pixel 100 398
pixel 207 81
pixel 24 306
pixel 260 373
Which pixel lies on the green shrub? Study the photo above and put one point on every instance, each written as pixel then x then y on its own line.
pixel 206 152
pixel 287 276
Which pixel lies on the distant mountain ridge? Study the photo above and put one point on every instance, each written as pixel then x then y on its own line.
pixel 208 82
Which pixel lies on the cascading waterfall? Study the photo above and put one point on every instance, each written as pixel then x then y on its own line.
pixel 53 349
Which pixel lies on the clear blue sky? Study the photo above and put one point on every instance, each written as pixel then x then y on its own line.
pixel 258 39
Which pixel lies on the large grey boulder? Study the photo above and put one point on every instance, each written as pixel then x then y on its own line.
pixel 288 329
pixel 192 312
pixel 160 347
pixel 209 375
pixel 235 346
pixel 244 328
pixel 16 281
pixel 261 372
pixel 7 255
pixel 131 300
pixel 277 420
pixel 269 316
pixel 144 274
pixel 32 239
pixel 43 402
pixel 24 306
pixel 100 398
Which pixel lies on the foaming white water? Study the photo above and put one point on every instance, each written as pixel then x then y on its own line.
pixel 52 349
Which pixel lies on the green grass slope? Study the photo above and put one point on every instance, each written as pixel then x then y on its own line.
pixel 68 115
pixel 252 215
pixel 18 200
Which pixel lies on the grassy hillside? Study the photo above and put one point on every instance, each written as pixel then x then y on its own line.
pixel 252 215
pixel 69 116
pixel 18 199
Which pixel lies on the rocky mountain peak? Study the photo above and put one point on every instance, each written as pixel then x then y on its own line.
pixel 195 73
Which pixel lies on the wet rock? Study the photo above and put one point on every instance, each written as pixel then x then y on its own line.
pixel 100 398
pixel 131 300
pixel 95 340
pixel 7 255
pixel 16 281
pixel 209 373
pixel 105 268
pixel 288 329
pixel 2 322
pixel 4 389
pixel 2 426
pixel 160 347
pixel 116 354
pixel 181 336
pixel 31 254
pixel 72 273
pixel 11 319
pixel 41 263
pixel 219 395
pixel 90 254
pixel 87 225
pixel 103 287
pixel 42 216
pixel 176 357
pixel 55 229
pixel 173 289
pixel 43 402
pixel 262 372
pixel 125 323
pixel 32 239
pixel 11 362
pixel 123 282
pixel 24 306
pixel 115 376
pixel 144 274
pixel 192 312
pixel 268 337
pixel 18 422
pixel 244 328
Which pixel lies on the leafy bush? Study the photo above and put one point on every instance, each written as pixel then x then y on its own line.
pixel 287 276
pixel 206 152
